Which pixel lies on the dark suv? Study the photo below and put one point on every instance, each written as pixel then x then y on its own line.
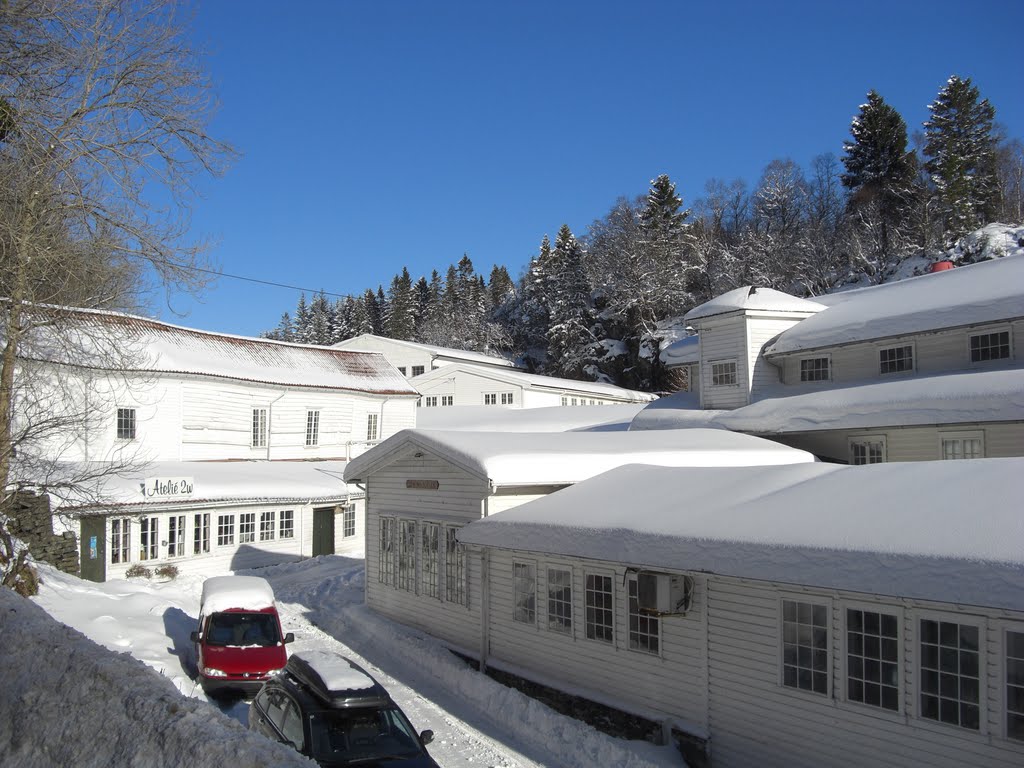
pixel 333 711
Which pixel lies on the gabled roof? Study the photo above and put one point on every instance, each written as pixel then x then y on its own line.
pixel 753 299
pixel 989 292
pixel 87 338
pixel 556 458
pixel 928 530
pixel 367 340
pixel 537 382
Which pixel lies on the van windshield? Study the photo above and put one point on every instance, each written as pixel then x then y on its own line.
pixel 242 629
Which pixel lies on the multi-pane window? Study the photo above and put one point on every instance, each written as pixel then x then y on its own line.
pixel 225 530
pixel 287 529
pixel 148 538
pixel 490 398
pixel 805 646
pixel 1015 685
pixel 950 673
pixel 869 450
pixel 247 528
pixel 447 400
pixel 371 426
pixel 407 555
pixel 723 374
pixel 524 592
pixel 814 369
pixel 401 369
pixel 896 359
pixel 176 536
pixel 348 522
pixel 429 553
pixel 259 427
pixel 312 427
pixel 125 423
pixel 598 603
pixel 386 565
pixel 201 534
pixel 454 568
pixel 644 630
pixel 430 401
pixel 872 658
pixel 990 346
pixel 506 398
pixel 963 447
pixel 560 600
pixel 417 370
pixel 120 533
pixel 268 525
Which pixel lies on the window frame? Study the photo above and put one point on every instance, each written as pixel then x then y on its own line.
pixel 260 429
pixel 386 528
pixel 456 587
pixel 286 524
pixel 126 424
pixel 714 377
pixel 490 398
pixel 430 559
pixel 417 370
pixel 998 330
pixel 507 398
pixel 121 547
pixel 524 603
pixel 372 427
pixel 564 625
pixel 149 538
pixel 817 358
pixel 406 556
pixel 176 536
pixel 981 625
pixel 430 401
pixel 867 440
pixel 447 400
pixel 1005 628
pixel 602 574
pixel 892 347
pixel 642 620
pixel 226 530
pixel 268 525
pixel 201 533
pixel 246 527
pixel 348 521
pixel 814 601
pixel 844 649
pixel 312 427
pixel 973 434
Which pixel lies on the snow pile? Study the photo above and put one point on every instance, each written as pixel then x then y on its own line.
pixel 556 418
pixel 222 593
pixel 336 671
pixel 66 701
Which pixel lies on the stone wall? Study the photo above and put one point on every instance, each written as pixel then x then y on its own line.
pixel 29 520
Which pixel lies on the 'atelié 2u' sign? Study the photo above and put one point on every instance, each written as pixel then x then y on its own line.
pixel 167 487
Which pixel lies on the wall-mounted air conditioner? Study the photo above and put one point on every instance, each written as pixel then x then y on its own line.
pixel 663 594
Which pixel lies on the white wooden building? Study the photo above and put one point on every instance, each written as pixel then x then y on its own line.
pixel 803 615
pixel 414 359
pixel 184 397
pixel 422 486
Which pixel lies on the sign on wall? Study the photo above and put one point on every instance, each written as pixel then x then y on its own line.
pixel 422 485
pixel 168 487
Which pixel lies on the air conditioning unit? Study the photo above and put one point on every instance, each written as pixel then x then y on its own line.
pixel 663 594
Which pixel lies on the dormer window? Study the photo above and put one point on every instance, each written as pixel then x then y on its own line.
pixel 723 373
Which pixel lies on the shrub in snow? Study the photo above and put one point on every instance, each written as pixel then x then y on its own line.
pixel 167 571
pixel 138 570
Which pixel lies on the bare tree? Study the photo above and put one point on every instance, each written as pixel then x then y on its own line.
pixel 104 110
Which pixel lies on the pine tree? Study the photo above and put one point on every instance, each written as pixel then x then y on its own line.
pixel 960 147
pixel 401 308
pixel 570 334
pixel 303 324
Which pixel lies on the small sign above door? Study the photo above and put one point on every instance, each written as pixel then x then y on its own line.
pixel 422 485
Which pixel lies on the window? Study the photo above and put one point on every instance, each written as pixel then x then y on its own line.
pixel 867 450
pixel 429 559
pixel 125 423
pixel 120 530
pixel 401 369
pixel 259 427
pixel 348 522
pixel 201 534
pixel 407 555
pixel 447 400
pixel 148 538
pixel 872 659
pixel 491 398
pixel 565 400
pixel 312 427
pixel 247 528
pixel 268 525
pixel 644 630
pixel 1015 685
pixel 805 662
pixel 386 565
pixel 430 401
pixel 723 374
pixel 896 359
pixel 598 603
pixel 560 600
pixel 524 592
pixel 454 568
pixel 371 426
pixel 950 677
pixel 990 346
pixel 225 530
pixel 176 536
pixel 287 529
pixel 963 445
pixel 814 369
pixel 417 370
pixel 506 398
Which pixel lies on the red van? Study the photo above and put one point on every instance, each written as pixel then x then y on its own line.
pixel 239 643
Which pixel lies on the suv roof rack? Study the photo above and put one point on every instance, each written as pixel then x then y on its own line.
pixel 356 687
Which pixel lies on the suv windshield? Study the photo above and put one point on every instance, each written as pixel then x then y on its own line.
pixel 355 735
pixel 242 629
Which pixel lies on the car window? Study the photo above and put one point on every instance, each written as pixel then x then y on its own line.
pixel 291 723
pixel 362 734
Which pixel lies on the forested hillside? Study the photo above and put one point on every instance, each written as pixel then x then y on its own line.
pixel 597 305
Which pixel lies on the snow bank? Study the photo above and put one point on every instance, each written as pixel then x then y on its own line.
pixel 555 418
pixel 249 593
pixel 66 701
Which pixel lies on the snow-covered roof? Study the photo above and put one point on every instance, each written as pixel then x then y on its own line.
pixel 552 418
pixel 929 530
pixel 248 593
pixel 680 410
pixel 557 458
pixel 753 299
pixel 160 348
pixel 682 352
pixel 370 340
pixel 954 398
pixel 535 381
pixel 989 292
pixel 212 481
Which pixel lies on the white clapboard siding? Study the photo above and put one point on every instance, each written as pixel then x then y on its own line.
pixel 759 331
pixel 756 720
pixel 723 340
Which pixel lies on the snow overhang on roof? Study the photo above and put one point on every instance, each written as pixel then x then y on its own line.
pixel 682 352
pixel 446 353
pixel 992 291
pixel 754 299
pixel 924 530
pixel 558 458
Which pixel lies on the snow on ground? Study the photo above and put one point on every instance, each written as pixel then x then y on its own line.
pixel 476 721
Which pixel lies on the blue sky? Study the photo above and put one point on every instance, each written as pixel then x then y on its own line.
pixel 377 135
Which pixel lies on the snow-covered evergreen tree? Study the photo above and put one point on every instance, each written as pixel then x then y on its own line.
pixel 401 315
pixel 320 320
pixel 303 324
pixel 570 334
